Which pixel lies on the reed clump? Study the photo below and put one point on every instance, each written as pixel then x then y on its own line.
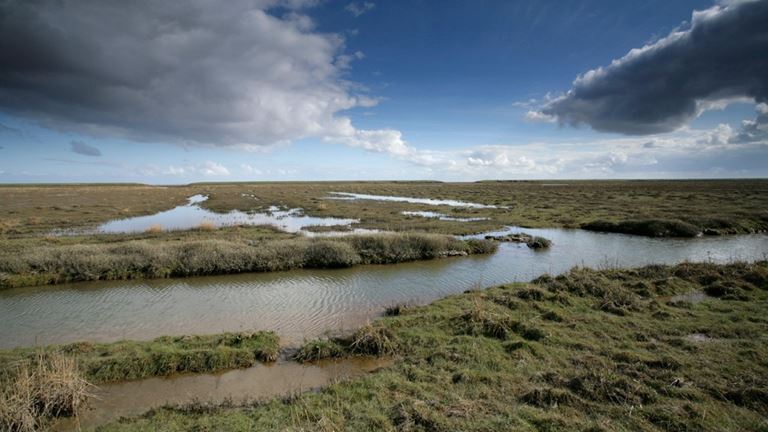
pixel 207 226
pixel 36 391
pixel 156 228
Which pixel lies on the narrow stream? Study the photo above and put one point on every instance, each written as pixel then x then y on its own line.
pixel 133 398
pixel 304 304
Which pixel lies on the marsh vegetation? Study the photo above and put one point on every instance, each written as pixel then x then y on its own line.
pixel 588 350
pixel 28 262
pixel 711 206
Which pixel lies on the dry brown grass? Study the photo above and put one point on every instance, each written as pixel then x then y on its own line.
pixel 34 393
pixel 207 226
pixel 156 228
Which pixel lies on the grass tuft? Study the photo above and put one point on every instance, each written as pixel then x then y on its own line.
pixel 36 391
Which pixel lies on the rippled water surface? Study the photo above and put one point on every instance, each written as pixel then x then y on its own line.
pixel 306 303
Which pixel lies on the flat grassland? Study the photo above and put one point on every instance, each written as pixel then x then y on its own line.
pixel 590 350
pixel 721 206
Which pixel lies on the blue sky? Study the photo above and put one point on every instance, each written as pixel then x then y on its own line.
pixel 446 90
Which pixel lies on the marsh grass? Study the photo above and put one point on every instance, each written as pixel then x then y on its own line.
pixel 207 226
pixel 646 227
pixel 36 264
pixel 537 242
pixel 154 228
pixel 546 356
pixel 128 360
pixel 712 206
pixel 33 392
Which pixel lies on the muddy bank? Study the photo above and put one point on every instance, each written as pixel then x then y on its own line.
pixel 238 387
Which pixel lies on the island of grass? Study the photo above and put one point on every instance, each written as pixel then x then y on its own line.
pixel 589 350
pixel 42 261
pixel 533 242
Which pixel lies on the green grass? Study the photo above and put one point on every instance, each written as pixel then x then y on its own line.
pixel 128 360
pixel 589 350
pixel 26 262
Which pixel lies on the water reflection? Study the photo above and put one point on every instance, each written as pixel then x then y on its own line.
pixel 192 215
pixel 427 201
pixel 442 216
pixel 133 398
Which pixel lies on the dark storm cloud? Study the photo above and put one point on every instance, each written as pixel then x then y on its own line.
pixel 192 72
pixel 662 86
pixel 82 148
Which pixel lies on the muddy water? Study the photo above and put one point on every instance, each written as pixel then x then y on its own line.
pixel 133 398
pixel 307 303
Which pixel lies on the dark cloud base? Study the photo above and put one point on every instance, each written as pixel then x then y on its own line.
pixel 724 54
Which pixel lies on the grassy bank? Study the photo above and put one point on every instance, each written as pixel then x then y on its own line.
pixel 128 360
pixel 712 206
pixel 26 262
pixel 648 228
pixel 43 383
pixel 590 350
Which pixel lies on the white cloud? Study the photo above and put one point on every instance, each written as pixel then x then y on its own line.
pixel 359 8
pixel 213 169
pixel 186 73
pixel 688 152
pixel 206 169
pixel 248 169
pixel 540 117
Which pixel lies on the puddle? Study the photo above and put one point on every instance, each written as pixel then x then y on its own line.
pixel 427 201
pixel 192 215
pixel 443 217
pixel 133 398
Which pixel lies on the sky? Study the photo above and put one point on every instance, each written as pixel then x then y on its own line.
pixel 273 90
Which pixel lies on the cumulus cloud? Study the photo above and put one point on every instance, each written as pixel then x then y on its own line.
pixel 754 130
pixel 213 169
pixel 359 8
pixel 191 73
pixel 84 149
pixel 207 169
pixel 538 116
pixel 660 87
